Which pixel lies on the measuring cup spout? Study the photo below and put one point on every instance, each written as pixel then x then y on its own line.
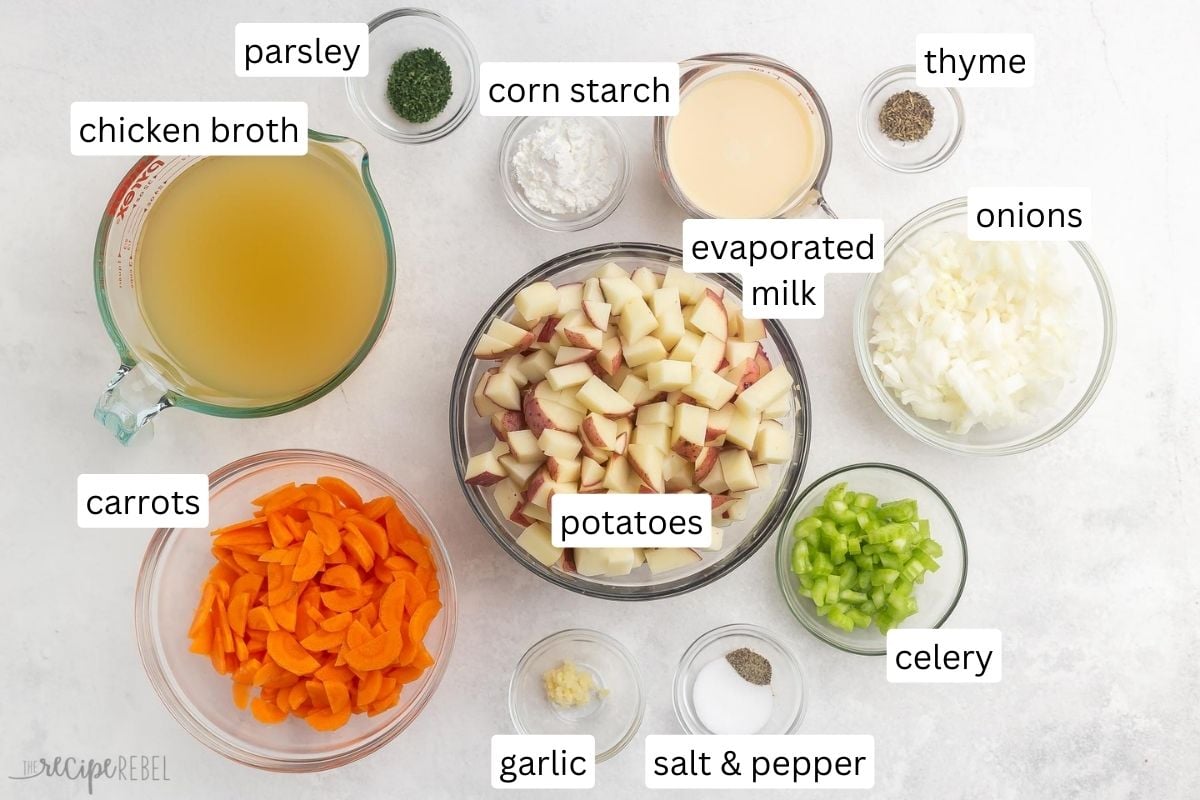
pixel 130 401
pixel 813 206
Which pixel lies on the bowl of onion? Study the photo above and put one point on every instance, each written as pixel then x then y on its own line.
pixel 983 347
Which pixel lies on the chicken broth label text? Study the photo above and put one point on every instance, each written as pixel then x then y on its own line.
pixel 201 128
pixel 783 262
pixel 631 520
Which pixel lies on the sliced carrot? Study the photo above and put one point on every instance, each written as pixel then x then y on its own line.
pixel 422 660
pixel 373 532
pixel 345 600
pixel 343 576
pixel 241 695
pixel 311 558
pixel 285 613
pixel 281 535
pixel 324 500
pixel 338 695
pixel 327 719
pixel 316 694
pixel 417 552
pixel 379 652
pixel 259 618
pixel 338 622
pixel 265 712
pixel 327 531
pixel 358 547
pixel 249 563
pixel 341 490
pixel 204 610
pixel 289 654
pixel 282 499
pixel 406 674
pixel 323 640
pixel 391 607
pixel 357 634
pixel 368 689
pixel 239 607
pixel 401 564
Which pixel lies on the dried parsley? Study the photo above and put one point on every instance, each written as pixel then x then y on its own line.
pixel 753 667
pixel 419 86
pixel 906 117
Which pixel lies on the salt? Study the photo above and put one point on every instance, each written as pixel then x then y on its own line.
pixel 727 703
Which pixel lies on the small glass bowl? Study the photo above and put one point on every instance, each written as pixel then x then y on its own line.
pixel 787 678
pixel 911 157
pixel 562 223
pixel 394 33
pixel 1097 326
pixel 936 597
pixel 176 562
pixel 613 719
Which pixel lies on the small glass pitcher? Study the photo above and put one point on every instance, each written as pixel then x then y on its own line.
pixel 148 380
pixel 808 201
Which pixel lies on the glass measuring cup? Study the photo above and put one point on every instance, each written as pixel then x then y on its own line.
pixel 809 199
pixel 149 379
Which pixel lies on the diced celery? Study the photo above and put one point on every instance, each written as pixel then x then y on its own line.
pixel 818 591
pixel 851 596
pixel 932 548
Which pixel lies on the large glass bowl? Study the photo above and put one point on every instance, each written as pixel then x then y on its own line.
pixel 936 597
pixel 1097 328
pixel 470 434
pixel 176 564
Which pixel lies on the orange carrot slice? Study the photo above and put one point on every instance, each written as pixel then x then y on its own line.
pixel 289 654
pixel 379 652
pixel 265 712
pixel 310 560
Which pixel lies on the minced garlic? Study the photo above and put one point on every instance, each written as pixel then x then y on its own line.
pixel 568 686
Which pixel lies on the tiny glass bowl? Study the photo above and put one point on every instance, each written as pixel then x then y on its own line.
pixel 919 156
pixel 1095 323
pixel 393 34
pixel 936 597
pixel 518 130
pixel 787 677
pixel 176 563
pixel 614 713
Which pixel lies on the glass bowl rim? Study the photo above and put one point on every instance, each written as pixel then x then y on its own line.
pixel 359 104
pixel 896 411
pixel 460 396
pixel 157 671
pixel 545 221
pixel 783 571
pixel 596 637
pixel 702 641
pixel 898 73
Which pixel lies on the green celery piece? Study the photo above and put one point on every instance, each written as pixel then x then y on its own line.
pixel 819 589
pixel 864 580
pixel 922 529
pixel 848 573
pixel 864 501
pixel 899 510
pixel 836 493
pixel 863 519
pixel 926 560
pixel 899 545
pixel 903 586
pixel 838 552
pixel 851 596
pixel 833 585
pixel 854 545
pixel 878 596
pixel 849 497
pixel 823 611
pixel 821 565
pixel 912 569
pixel 931 547
pixel 884 577
pixel 864 562
pixel 898 603
pixel 806 581
pixel 860 618
pixel 872 549
pixel 840 619
pixel 805 526
pixel 890 560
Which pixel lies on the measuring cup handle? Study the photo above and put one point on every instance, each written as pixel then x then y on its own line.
pixel 130 401
pixel 813 206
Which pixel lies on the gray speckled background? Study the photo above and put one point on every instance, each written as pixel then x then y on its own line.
pixel 1083 553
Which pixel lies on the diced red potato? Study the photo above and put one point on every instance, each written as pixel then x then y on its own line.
pixel 627 383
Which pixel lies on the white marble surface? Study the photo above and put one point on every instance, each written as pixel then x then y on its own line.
pixel 1083 553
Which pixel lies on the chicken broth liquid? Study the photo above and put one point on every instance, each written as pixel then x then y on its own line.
pixel 261 277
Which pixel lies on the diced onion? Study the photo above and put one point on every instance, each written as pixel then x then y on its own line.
pixel 975 333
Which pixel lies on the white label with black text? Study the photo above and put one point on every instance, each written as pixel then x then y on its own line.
pixel 559 761
pixel 187 128
pixel 783 262
pixel 1029 213
pixel 579 88
pixel 631 520
pixel 975 59
pixel 943 655
pixel 300 49
pixel 798 761
pixel 142 500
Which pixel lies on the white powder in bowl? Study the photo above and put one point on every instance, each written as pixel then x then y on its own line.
pixel 565 166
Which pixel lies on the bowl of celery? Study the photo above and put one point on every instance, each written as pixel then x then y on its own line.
pixel 868 548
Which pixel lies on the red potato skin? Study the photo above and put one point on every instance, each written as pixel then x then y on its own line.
pixel 688 450
pixel 544 332
pixel 705 462
pixel 484 479
pixel 505 421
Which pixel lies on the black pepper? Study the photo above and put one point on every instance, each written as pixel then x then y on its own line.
pixel 750 665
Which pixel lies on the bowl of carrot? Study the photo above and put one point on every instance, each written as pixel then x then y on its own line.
pixel 310 624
